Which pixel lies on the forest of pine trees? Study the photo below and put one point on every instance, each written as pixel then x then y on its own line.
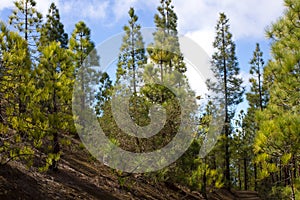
pixel 259 150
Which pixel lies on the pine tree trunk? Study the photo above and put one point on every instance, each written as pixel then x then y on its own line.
pixel 56 147
pixel 280 172
pixel 255 177
pixel 292 185
pixel 161 71
pixel 239 175
pixel 286 176
pixel 204 180
pixel 245 174
pixel 227 122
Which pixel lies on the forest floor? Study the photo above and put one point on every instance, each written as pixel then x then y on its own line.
pixel 81 177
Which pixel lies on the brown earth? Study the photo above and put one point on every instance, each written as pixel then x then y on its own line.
pixel 81 177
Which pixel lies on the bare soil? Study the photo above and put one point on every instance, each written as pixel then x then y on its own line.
pixel 82 177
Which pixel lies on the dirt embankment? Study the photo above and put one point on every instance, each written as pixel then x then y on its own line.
pixel 81 177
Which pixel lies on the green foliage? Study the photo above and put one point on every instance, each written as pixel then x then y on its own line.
pixel 204 177
pixel 86 62
pixel 246 126
pixel 104 94
pixel 279 122
pixel 165 51
pixel 225 68
pixel 258 96
pixel 26 19
pixel 132 52
pixel 53 29
pixel 82 46
pixel 227 89
pixel 14 92
pixel 36 113
pixel 50 160
pixel 207 173
pixel 53 96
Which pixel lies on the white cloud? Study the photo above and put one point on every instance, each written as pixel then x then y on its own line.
pixel 197 19
pixel 245 76
pixel 247 18
pixel 74 9
pixel 43 6
pixel 204 38
pixel 196 81
pixel 97 10
pixel 121 7
pixel 6 4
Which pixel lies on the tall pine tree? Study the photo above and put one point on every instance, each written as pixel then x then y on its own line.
pixel 257 98
pixel 53 29
pixel 85 59
pixel 131 61
pixel 27 20
pixel 228 85
pixel 15 89
pixel 165 51
pixel 132 55
pixel 277 142
pixel 53 96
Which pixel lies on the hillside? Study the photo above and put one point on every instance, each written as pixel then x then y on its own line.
pixel 82 177
pixel 214 109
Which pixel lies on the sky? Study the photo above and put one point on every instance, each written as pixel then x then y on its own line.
pixel 196 19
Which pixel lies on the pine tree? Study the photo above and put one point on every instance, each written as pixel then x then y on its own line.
pixel 167 67
pixel 86 60
pixel 242 152
pixel 277 141
pixel 165 51
pixel 53 29
pixel 131 62
pixel 166 58
pixel 21 71
pixel 15 89
pixel 53 95
pixel 104 94
pixel 257 99
pixel 27 20
pixel 132 56
pixel 207 174
pixel 228 85
pixel 238 151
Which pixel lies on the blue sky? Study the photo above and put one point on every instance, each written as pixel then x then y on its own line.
pixel 196 19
